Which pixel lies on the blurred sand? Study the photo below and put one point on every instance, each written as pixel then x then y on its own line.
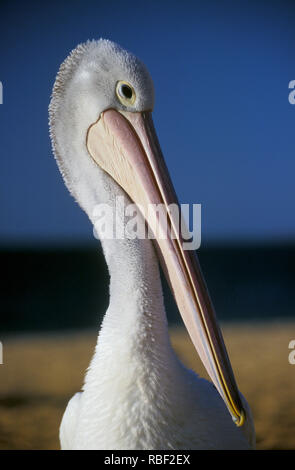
pixel 41 373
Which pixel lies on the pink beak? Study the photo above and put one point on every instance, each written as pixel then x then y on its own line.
pixel 125 145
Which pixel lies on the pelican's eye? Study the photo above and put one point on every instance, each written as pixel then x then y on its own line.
pixel 125 93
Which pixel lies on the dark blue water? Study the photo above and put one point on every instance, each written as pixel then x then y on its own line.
pixel 56 289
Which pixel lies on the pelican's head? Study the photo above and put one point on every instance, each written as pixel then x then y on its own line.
pixel 102 132
pixel 95 77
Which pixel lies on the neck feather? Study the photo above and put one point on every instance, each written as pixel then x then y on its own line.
pixel 136 318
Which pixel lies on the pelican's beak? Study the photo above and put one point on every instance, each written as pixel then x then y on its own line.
pixel 125 145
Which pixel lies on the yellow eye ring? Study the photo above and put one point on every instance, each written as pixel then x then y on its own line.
pixel 125 92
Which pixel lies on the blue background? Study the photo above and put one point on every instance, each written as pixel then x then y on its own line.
pixel 221 72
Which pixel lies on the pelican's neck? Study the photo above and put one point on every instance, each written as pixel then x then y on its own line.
pixel 135 320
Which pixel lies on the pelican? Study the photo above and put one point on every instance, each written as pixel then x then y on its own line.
pixel 137 394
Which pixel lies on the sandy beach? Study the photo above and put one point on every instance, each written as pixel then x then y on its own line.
pixel 41 373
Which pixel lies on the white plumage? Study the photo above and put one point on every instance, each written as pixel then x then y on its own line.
pixel 137 394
